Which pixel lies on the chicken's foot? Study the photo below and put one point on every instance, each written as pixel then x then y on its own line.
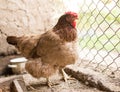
pixel 49 83
pixel 65 76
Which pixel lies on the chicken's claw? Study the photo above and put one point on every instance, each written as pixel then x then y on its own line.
pixel 49 83
pixel 65 76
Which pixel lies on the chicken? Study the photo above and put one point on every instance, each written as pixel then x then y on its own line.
pixel 50 51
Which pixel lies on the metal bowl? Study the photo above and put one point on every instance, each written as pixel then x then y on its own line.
pixel 18 65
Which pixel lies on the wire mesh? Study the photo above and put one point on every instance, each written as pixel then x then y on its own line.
pixel 99 37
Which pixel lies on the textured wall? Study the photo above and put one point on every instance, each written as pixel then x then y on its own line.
pixel 18 17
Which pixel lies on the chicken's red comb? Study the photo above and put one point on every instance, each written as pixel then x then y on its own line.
pixel 72 13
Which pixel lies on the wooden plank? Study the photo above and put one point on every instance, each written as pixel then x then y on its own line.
pixel 6 81
pixel 17 86
pixel 92 78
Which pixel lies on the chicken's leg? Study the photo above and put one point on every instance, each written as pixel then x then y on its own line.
pixel 49 83
pixel 64 75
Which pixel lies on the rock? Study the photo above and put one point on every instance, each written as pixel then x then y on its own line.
pixel 92 78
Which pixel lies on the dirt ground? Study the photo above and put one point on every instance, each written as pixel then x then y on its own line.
pixel 60 85
pixel 70 86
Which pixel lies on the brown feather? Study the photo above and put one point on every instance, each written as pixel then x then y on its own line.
pixel 12 40
pixel 39 69
pixel 49 51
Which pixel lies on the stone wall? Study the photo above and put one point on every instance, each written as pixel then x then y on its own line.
pixel 18 17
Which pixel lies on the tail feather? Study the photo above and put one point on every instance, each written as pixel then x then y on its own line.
pixel 12 40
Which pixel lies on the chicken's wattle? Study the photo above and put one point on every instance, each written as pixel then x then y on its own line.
pixel 74 24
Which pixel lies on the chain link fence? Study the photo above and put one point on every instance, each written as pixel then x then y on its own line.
pixel 99 36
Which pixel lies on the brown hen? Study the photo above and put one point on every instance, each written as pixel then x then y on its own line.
pixel 52 50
